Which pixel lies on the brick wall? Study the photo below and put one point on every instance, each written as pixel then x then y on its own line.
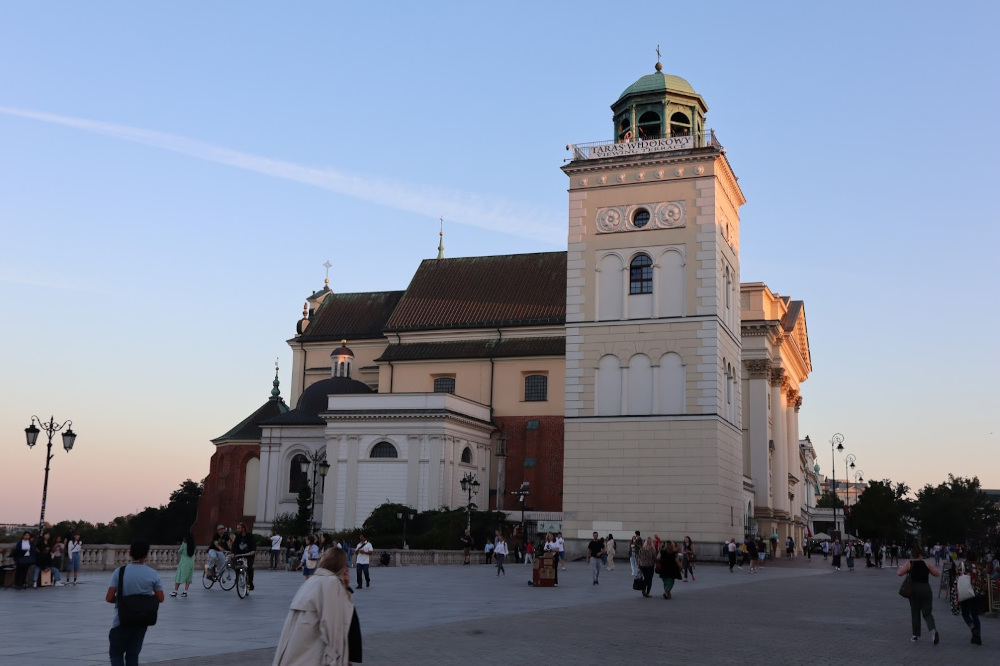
pixel 222 501
pixel 544 446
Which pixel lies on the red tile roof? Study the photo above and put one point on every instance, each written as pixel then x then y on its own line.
pixel 351 316
pixel 479 292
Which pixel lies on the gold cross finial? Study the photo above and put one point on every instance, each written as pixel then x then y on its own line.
pixel 328 266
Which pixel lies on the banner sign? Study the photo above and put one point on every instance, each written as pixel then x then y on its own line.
pixel 640 147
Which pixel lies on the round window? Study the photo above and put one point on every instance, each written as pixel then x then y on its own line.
pixel 641 218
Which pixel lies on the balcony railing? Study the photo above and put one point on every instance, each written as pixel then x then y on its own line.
pixel 599 149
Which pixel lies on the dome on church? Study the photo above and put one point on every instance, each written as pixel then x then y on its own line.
pixel 658 82
pixel 315 400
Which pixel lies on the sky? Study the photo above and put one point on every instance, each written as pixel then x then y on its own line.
pixel 173 177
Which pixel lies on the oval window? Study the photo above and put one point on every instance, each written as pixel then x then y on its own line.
pixel 641 218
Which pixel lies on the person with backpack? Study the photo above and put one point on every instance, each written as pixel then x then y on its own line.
pixel 125 638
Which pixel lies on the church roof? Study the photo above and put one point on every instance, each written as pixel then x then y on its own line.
pixel 479 292
pixel 352 316
pixel 658 82
pixel 512 347
pixel 249 428
pixel 314 400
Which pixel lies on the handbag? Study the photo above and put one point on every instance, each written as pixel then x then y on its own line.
pixel 311 564
pixel 906 589
pixel 965 591
pixel 135 610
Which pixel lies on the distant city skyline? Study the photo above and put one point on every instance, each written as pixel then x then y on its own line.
pixel 171 189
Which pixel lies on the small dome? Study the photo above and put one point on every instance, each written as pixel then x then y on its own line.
pixel 342 350
pixel 313 399
pixel 659 82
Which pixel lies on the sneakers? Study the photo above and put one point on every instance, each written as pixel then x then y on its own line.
pixel 937 637
pixel 914 639
pixel 184 594
pixel 174 593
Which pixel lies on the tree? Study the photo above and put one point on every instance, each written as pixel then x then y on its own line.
pixel 958 511
pixel 882 512
pixel 828 500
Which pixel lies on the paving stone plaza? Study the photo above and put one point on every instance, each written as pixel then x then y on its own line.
pixel 799 612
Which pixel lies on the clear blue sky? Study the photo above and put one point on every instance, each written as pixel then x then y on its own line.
pixel 174 175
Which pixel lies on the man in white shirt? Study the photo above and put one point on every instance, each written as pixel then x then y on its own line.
pixel 362 555
pixel 275 550
pixel 561 547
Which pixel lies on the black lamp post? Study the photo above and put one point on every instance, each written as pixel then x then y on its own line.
pixel 836 446
pixel 848 463
pixel 405 515
pixel 471 485
pixel 859 476
pixel 522 493
pixel 50 428
pixel 318 463
pixel 501 469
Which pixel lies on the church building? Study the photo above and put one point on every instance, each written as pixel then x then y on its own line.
pixel 628 383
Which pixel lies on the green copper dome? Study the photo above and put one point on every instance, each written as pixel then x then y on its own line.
pixel 658 82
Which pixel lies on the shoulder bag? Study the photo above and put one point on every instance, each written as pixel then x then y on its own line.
pixel 906 589
pixel 135 610
pixel 965 590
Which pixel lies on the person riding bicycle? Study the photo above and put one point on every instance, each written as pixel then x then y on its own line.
pixel 217 551
pixel 244 546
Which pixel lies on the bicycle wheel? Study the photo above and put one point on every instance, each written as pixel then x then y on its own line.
pixel 241 584
pixel 228 578
pixel 206 579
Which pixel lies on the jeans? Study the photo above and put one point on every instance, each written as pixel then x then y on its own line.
pixel 275 558
pixel 595 568
pixel 217 556
pixel 970 613
pixel 363 569
pixel 126 643
pixel 920 604
pixel 501 558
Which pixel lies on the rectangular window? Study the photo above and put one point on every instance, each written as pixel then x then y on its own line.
pixel 444 385
pixel 536 388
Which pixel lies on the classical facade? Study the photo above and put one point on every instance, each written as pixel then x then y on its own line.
pixel 612 379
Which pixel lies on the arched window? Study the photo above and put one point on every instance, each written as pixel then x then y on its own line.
pixel 625 130
pixel 536 388
pixel 729 384
pixel 649 126
pixel 680 125
pixel 444 385
pixel 297 479
pixel 609 386
pixel 640 280
pixel 466 455
pixel 384 450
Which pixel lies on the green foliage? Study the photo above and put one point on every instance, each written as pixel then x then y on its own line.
pixel 438 529
pixel 304 516
pixel 828 500
pixel 958 511
pixel 882 512
pixel 287 525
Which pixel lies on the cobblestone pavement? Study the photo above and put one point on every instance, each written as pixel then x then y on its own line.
pixel 797 612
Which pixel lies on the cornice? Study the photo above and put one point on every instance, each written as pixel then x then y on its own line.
pixel 647 161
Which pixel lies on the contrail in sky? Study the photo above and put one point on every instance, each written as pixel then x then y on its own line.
pixel 486 213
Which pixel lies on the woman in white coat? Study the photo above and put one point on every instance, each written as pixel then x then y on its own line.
pixel 319 619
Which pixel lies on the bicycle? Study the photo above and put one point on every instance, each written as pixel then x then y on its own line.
pixel 226 578
pixel 239 565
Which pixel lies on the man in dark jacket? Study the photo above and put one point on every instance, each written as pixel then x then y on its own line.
pixel 25 554
pixel 244 545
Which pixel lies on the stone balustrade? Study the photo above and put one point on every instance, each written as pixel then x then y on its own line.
pixel 106 557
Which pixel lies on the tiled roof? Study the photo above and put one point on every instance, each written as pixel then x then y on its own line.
pixel 791 316
pixel 315 400
pixel 513 347
pixel 351 316
pixel 249 428
pixel 474 292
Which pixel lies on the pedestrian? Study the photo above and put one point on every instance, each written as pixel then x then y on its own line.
pixel 364 551
pixel 318 628
pixel 753 553
pixel 75 551
pixel 467 545
pixel 670 561
pixel 921 599
pixel 837 550
pixel 275 540
pixel 965 598
pixel 501 551
pixel 850 559
pixel 633 550
pixel 529 552
pixel 894 555
pixel 807 548
pixel 646 559
pixel 245 547
pixel 25 554
pixel 609 553
pixel 789 548
pixel 185 565
pixel 774 544
pixel 310 556
pixel 687 557
pixel 58 548
pixel 937 554
pixel 731 553
pixel 595 552
pixel 761 552
pixel 488 551
pixel 217 550
pixel 656 542
pixel 125 642
pixel 826 550
pixel 561 550
pixel 868 554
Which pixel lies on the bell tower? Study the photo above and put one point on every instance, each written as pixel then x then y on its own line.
pixel 653 435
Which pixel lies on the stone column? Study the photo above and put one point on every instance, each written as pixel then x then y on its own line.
pixel 780 490
pixel 792 434
pixel 758 379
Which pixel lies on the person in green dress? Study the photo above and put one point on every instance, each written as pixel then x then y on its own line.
pixel 185 565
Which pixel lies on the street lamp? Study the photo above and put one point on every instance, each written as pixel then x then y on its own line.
pixel 318 463
pixel 405 515
pixel 522 493
pixel 848 462
pixel 501 468
pixel 471 485
pixel 50 428
pixel 836 446
pixel 859 477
